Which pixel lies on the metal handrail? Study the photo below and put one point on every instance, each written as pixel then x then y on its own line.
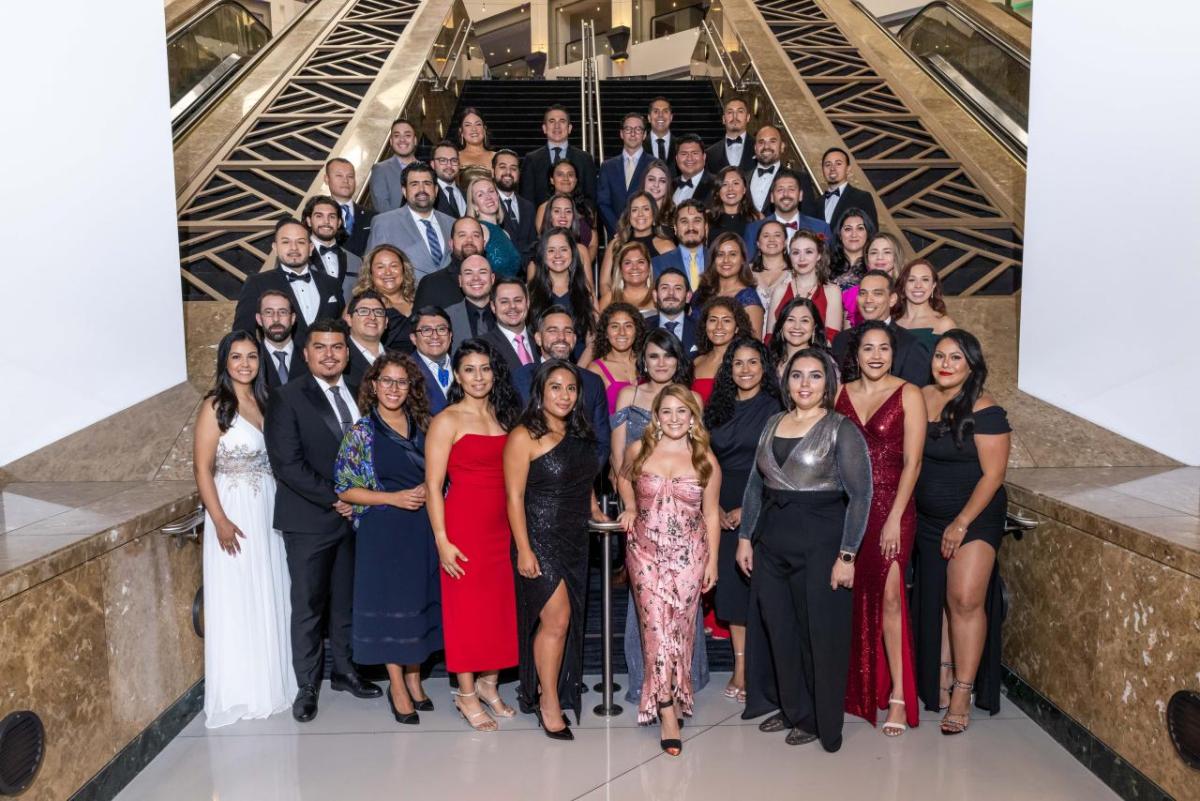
pixel 457 45
pixel 969 20
pixel 719 49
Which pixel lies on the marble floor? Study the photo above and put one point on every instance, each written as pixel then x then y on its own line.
pixel 353 750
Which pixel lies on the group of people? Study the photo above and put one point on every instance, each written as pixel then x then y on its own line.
pixel 419 407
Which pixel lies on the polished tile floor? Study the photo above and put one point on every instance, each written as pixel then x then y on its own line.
pixel 353 751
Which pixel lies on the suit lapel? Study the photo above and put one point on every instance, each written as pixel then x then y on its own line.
pixel 312 391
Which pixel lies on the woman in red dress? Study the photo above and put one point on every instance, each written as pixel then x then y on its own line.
pixel 470 525
pixel 891 415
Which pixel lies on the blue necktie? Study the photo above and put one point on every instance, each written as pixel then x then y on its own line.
pixel 435 247
pixel 348 217
pixel 671 326
pixel 443 376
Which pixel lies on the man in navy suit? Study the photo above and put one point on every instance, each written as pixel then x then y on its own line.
pixel 535 172
pixel 621 175
pixel 555 338
pixel 839 196
pixel 416 228
pixel 737 146
pixel 786 196
pixel 518 211
pixel 691 227
pixel 356 219
pixel 431 337
pixel 671 297
pixel 387 177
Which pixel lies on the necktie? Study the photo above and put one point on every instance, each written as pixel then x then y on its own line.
pixel 630 166
pixel 662 149
pixel 304 276
pixel 522 351
pixel 435 247
pixel 348 217
pixel 508 208
pixel 693 270
pixel 765 171
pixel 343 410
pixel 443 376
pixel 734 141
pixel 833 193
pixel 557 156
pixel 281 357
pixel 671 326
pixel 452 200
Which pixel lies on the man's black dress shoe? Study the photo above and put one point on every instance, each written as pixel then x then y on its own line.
pixel 798 736
pixel 354 684
pixel 304 708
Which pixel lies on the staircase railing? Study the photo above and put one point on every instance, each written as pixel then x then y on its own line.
pixel 589 95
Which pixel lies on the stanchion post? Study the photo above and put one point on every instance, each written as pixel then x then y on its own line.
pixel 607 707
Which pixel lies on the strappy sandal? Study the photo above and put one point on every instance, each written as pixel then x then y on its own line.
pixel 957 722
pixel 947 690
pixel 497 705
pixel 891 729
pixel 674 745
pixel 732 690
pixel 487 724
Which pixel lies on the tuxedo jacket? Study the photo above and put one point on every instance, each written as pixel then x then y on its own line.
pixel 505 348
pixel 687 337
pixel 440 288
pixel 594 398
pixel 715 159
pixel 433 390
pixel 460 324
pixel 303 436
pixel 523 230
pixel 357 368
pixel 349 268
pixel 330 307
pixel 297 367
pixel 706 185
pixel 812 223
pixel 357 236
pixel 851 198
pixel 535 173
pixel 398 228
pixel 912 360
pixel 611 194
pixel 387 185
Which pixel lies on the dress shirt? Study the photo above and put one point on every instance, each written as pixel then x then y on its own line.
pixel 433 223
pixel 287 350
pixel 433 369
pixel 630 162
pixel 684 192
pixel 760 185
pixel 329 258
pixel 511 200
pixel 791 226
pixel 474 313
pixel 666 154
pixel 344 391
pixel 511 336
pixel 733 153
pixel 663 321
pixel 307 294
pixel 455 193
pixel 562 152
pixel 831 202
pixel 368 355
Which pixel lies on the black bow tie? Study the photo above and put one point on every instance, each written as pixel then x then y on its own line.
pixel 323 249
pixel 765 171
pixel 687 183
pixel 833 193
pixel 734 141
pixel 292 277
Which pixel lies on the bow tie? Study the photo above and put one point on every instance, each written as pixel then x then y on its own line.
pixel 292 277
pixel 735 141
pixel 686 183
pixel 765 171
pixel 833 193
pixel 323 249
pixel 794 225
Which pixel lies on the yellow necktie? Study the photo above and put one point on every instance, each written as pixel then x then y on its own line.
pixel 693 271
pixel 630 166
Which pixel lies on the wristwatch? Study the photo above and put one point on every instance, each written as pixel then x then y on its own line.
pixel 846 557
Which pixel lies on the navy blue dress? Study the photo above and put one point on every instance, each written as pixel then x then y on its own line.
pixel 397 590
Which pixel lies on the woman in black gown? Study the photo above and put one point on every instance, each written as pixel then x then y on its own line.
pixel 745 395
pixel 550 461
pixel 961 507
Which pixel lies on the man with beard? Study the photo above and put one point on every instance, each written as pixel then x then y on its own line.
pixel 691 227
pixel 786 196
pixel 311 292
pixel 736 147
pixel 839 196
pixel 768 150
pixel 450 199
pixel 472 316
pixel 276 319
pixel 555 339
pixel 356 219
pixel 323 216
pixel 416 228
pixel 441 288
pixel 367 317
pixel 387 177
pixel 671 297
pixel 518 212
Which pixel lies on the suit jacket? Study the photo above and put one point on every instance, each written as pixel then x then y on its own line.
pixel 439 288
pixel 349 268
pixel 303 436
pixel 706 185
pixel 433 390
pixel 297 367
pixel 611 193
pixel 523 233
pixel 593 396
pixel 715 159
pixel 651 147
pixel 535 173
pixel 912 360
pixel 460 324
pixel 358 366
pixel 330 291
pixel 814 223
pixel 398 228
pixel 506 349
pixel 387 185
pixel 674 258
pixel 851 198
pixel 687 337
pixel 356 239
pixel 443 204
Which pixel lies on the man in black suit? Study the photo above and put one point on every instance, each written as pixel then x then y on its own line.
pixel 737 146
pixel 839 196
pixel 659 141
pixel 305 423
pixel 692 180
pixel 518 212
pixel 441 288
pixel 450 199
pixel 671 297
pixel 356 219
pixel 323 216
pixel 876 296
pixel 312 293
pixel 284 361
pixel 535 172
pixel 367 318
pixel 472 317
pixel 510 335
pixel 555 338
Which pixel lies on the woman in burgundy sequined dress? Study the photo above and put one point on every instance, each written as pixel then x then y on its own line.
pixel 891 415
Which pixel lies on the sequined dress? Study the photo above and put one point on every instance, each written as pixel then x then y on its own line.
pixel 247 613
pixel 557 502
pixel 869 684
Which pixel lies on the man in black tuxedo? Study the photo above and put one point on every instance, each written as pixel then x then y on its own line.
pixel 535 172
pixel 284 361
pixel 876 296
pixel 692 180
pixel 356 219
pixel 659 141
pixel 450 198
pixel 305 423
pixel 312 293
pixel 518 212
pixel 671 297
pixel 441 288
pixel 839 196
pixel 510 335
pixel 737 146
pixel 367 318
pixel 323 216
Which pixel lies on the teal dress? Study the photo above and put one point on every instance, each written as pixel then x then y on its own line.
pixel 925 336
pixel 501 252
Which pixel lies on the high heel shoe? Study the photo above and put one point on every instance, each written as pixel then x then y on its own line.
pixel 419 704
pixel 408 718
pixel 487 724
pixel 498 707
pixel 564 733
pixel 674 745
pixel 894 729
pixel 950 726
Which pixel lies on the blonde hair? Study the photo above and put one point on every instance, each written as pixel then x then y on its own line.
pixel 474 212
pixel 698 439
pixel 618 279
pixel 366 279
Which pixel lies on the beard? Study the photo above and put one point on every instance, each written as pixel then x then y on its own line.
pixel 277 333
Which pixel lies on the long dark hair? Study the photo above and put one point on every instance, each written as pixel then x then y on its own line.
pixel 664 339
pixel 417 402
pixel 779 344
pixel 850 368
pixel 541 287
pixel 716 208
pixel 719 409
pixel 829 397
pixel 534 415
pixel 840 264
pixel 710 279
pixel 958 416
pixel 503 398
pixel 223 391
pixel 602 347
pixel 936 301
pixel 741 322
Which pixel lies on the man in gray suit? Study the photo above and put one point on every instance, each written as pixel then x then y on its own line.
pixel 473 317
pixel 323 216
pixel 387 177
pixel 422 233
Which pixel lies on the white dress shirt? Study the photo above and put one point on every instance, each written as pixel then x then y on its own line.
pixel 653 140
pixel 682 192
pixel 287 350
pixel 733 153
pixel 307 294
pixel 330 259
pixel 831 202
pixel 511 197
pixel 433 369
pixel 455 193
pixel 368 355
pixel 511 336
pixel 795 218
pixel 433 223
pixel 760 185
pixel 344 391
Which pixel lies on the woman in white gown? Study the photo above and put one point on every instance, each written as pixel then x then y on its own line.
pixel 247 649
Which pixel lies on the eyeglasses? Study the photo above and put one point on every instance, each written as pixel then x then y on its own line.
pixel 444 160
pixel 276 314
pixel 392 383
pixel 431 330
pixel 364 312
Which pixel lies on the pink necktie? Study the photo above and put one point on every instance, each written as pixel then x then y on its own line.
pixel 522 352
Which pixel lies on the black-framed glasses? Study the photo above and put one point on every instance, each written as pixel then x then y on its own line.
pixel 430 330
pixel 365 312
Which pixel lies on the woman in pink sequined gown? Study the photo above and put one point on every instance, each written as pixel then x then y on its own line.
pixel 670 489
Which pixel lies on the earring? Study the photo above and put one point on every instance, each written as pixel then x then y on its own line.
pixel 657 431
pixel 691 429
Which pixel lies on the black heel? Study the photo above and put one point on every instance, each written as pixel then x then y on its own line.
pixel 564 733
pixel 673 746
pixel 409 718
